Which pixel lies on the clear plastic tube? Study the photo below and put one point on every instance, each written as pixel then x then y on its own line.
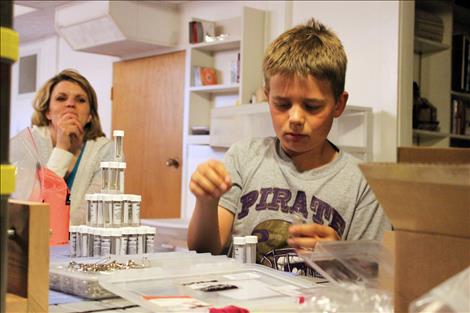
pixel 118 144
pixel 132 241
pixel 141 232
pixel 73 240
pixel 92 209
pixel 150 239
pixel 250 249
pixel 117 210
pixel 104 176
pixel 97 242
pixel 126 210
pixel 99 210
pixel 113 183
pixel 107 210
pixel 105 241
pixel 136 206
pixel 91 238
pixel 116 241
pixel 124 240
pixel 121 170
pixel 84 241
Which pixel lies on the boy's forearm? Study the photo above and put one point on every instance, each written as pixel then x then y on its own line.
pixel 203 231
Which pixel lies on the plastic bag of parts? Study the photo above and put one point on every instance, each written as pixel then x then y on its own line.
pixel 450 296
pixel 356 271
pixel 363 262
pixel 347 298
pixel 25 157
pixel 35 182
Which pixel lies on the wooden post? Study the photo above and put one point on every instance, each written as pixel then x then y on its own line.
pixel 28 257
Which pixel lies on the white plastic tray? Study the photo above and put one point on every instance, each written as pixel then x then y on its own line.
pixel 85 284
pixel 258 287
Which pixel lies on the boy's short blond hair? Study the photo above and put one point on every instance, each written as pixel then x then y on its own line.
pixel 309 49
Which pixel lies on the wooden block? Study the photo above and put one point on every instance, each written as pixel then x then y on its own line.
pixel 28 253
pixel 16 303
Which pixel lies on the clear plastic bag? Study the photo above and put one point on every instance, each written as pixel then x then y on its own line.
pixel 35 182
pixel 450 296
pixel 356 271
pixel 25 157
pixel 361 262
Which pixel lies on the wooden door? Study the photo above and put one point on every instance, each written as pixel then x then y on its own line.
pixel 148 97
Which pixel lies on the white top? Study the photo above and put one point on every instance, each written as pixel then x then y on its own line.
pixel 118 133
pixel 88 176
pixel 238 240
pixel 251 239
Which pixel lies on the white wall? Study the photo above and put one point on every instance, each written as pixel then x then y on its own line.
pixel 21 108
pixel 277 22
pixel 54 55
pixel 98 69
pixel 369 32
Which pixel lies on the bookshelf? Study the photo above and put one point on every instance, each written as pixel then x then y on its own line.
pixel 432 70
pixel 244 43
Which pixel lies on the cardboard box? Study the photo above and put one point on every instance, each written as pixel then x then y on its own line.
pixel 433 155
pixel 429 207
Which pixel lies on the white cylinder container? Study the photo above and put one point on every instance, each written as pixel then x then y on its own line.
pixel 113 183
pixel 97 242
pixel 73 231
pixel 126 210
pixel 124 240
pixel 99 210
pixel 117 210
pixel 92 209
pixel 132 241
pixel 239 249
pixel 105 235
pixel 136 206
pixel 250 249
pixel 121 170
pixel 84 240
pixel 150 239
pixel 141 232
pixel 116 241
pixel 107 210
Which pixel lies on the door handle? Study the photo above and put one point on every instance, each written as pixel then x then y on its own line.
pixel 172 163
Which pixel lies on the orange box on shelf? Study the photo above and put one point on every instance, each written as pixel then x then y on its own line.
pixel 208 76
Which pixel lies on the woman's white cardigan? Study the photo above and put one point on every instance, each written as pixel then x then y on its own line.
pixel 88 176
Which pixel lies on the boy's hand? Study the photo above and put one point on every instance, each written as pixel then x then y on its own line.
pixel 306 236
pixel 210 181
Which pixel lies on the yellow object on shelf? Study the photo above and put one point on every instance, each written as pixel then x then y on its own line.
pixel 7 179
pixel 9 44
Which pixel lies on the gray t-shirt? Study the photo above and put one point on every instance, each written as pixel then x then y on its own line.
pixel 269 193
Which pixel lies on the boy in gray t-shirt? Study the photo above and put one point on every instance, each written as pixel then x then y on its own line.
pixel 266 185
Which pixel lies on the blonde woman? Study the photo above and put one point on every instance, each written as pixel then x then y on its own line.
pixel 68 137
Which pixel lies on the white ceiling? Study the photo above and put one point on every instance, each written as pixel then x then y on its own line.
pixel 40 23
pixel 36 24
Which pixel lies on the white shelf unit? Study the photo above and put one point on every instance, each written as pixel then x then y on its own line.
pixel 351 132
pixel 245 36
